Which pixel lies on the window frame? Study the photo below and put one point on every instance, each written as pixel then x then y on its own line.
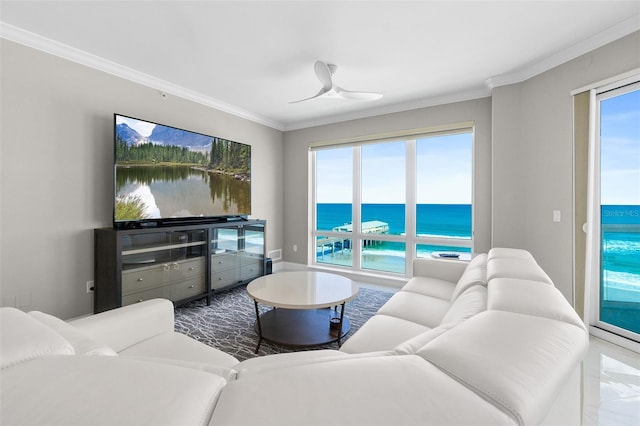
pixel 410 237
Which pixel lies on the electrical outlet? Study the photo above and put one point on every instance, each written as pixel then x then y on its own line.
pixel 90 286
pixel 295 247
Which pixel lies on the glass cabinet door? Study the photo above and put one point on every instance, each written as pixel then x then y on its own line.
pixel 139 250
pixel 224 240
pixel 237 254
pixel 254 240
pixel 155 248
pixel 187 244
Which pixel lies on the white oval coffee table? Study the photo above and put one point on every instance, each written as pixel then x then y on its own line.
pixel 300 299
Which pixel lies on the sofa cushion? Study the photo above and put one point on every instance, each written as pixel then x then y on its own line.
pixel 475 274
pixel 443 269
pixel 82 344
pixel 516 268
pixel 83 390
pixel 509 253
pixel 128 325
pixel 531 298
pixel 468 304
pixel 413 345
pixel 430 287
pixel 23 338
pixel 261 364
pixel 180 347
pixel 382 333
pixel 418 308
pixel 226 373
pixel 479 260
pixel 386 390
pixel 517 362
pixel 284 360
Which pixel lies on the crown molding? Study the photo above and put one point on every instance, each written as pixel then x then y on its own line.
pixel 613 33
pixel 35 41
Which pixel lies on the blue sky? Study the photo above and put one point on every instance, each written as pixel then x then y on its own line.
pixel 143 127
pixel 620 149
pixel 443 172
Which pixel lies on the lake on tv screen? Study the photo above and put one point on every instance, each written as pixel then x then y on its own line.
pixel 176 191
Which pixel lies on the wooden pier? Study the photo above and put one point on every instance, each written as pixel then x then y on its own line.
pixel 340 244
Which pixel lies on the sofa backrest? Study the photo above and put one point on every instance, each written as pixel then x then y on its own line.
pixel 82 344
pixel 518 362
pixel 534 298
pixel 474 274
pixel 113 328
pixel 514 263
pixel 470 303
pixel 23 338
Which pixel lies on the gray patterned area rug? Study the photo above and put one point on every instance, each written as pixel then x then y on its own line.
pixel 228 323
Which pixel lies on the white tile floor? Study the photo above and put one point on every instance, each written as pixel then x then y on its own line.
pixel 611 385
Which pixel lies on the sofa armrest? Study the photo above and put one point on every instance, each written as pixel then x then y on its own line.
pixel 445 269
pixel 126 326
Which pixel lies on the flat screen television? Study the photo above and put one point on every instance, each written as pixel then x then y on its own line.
pixel 165 175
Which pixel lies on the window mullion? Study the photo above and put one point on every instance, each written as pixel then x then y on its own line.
pixel 356 213
pixel 410 206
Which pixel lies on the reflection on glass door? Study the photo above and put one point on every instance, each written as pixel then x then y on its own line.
pixel 618 295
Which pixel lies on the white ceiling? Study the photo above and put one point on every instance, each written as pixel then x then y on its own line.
pixel 251 58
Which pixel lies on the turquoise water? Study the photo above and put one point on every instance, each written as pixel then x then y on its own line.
pixel 446 220
pixel 620 253
pixel 620 243
pixel 434 220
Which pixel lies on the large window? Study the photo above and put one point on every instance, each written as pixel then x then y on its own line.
pixel 380 204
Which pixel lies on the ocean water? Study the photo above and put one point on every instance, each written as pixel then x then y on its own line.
pixel 620 253
pixel 445 220
pixel 620 242
pixel 436 220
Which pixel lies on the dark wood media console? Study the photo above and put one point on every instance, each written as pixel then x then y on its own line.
pixel 180 263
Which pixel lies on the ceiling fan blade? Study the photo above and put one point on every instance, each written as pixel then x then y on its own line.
pixel 324 72
pixel 317 95
pixel 324 75
pixel 358 96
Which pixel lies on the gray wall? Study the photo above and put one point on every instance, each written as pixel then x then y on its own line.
pixel 57 171
pixel 296 176
pixel 533 156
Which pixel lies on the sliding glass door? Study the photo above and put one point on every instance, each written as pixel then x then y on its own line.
pixel 616 299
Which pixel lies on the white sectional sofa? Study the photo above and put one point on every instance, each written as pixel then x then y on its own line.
pixel 490 341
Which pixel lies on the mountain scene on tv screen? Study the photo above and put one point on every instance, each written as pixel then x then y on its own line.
pixel 163 172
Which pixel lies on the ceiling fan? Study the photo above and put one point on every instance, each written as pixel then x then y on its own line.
pixel 325 72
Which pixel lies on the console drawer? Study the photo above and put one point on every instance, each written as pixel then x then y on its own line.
pixel 251 271
pixel 220 279
pixel 139 279
pixel 186 269
pixel 188 288
pixel 221 262
pixel 141 296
